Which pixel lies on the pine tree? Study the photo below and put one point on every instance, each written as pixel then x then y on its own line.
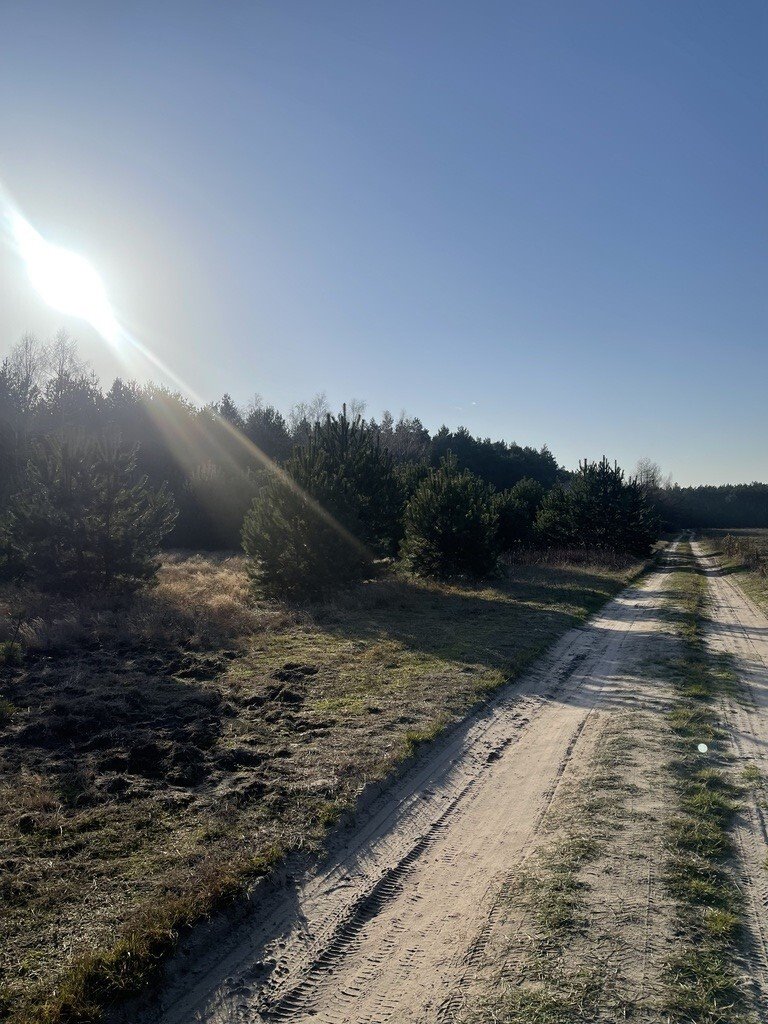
pixel 599 509
pixel 321 524
pixel 451 524
pixel 84 520
pixel 267 428
pixel 212 506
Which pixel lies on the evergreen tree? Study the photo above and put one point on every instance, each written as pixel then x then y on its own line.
pixel 228 411
pixel 84 519
pixel 517 509
pixel 599 509
pixel 530 493
pixel 451 524
pixel 515 522
pixel 500 464
pixel 267 429
pixel 319 525
pixel 212 506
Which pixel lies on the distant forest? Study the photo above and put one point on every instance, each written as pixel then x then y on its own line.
pixel 737 506
pixel 199 456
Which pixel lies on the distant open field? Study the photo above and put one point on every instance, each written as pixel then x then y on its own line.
pixel 156 754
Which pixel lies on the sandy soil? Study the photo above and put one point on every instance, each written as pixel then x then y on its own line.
pixel 387 928
pixel 739 629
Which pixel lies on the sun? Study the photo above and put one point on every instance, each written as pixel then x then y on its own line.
pixel 65 280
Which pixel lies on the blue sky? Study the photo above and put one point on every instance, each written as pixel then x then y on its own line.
pixel 545 221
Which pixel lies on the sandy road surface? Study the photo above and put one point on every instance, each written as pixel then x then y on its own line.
pixel 384 929
pixel 740 629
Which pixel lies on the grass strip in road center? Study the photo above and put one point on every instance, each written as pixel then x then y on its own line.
pixel 702 980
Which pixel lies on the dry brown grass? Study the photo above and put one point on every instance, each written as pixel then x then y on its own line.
pixel 744 555
pixel 198 599
pixel 571 557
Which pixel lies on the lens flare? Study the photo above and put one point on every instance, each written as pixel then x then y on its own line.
pixel 65 280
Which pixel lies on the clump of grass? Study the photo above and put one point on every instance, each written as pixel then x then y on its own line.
pixel 11 653
pixel 415 738
pixel 569 999
pixel 752 777
pixel 557 894
pixel 702 986
pixel 196 599
pixel 7 711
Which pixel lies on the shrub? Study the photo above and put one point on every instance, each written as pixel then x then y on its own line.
pixel 319 524
pixel 451 524
pixel 83 519
pixel 517 509
pixel 529 493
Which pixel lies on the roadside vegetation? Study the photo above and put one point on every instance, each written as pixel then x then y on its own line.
pixel 743 555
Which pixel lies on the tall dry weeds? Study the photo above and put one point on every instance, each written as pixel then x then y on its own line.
pixel 198 599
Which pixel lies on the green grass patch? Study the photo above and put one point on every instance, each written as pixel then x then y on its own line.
pixel 752 777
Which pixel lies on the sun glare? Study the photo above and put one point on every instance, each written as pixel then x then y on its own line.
pixel 65 280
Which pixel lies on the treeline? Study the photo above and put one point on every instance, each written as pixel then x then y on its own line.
pixel 735 506
pixel 198 453
pixel 95 480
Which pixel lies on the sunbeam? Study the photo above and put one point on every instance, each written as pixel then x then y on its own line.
pixel 67 282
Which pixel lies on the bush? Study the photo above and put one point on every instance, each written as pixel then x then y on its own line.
pixel 320 524
pixel 83 520
pixel 750 555
pixel 451 524
pixel 517 509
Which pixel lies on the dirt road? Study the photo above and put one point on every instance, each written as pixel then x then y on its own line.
pixel 391 927
pixel 738 628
